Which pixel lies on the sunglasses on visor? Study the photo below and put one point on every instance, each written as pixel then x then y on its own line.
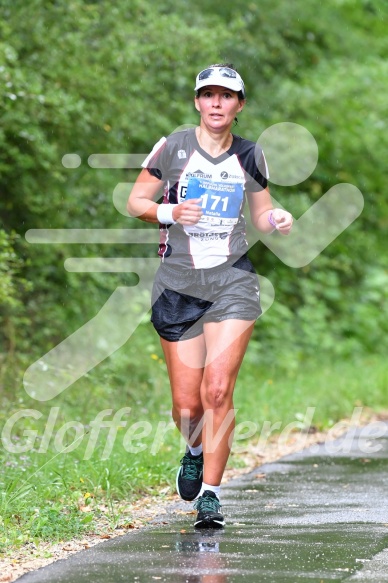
pixel 223 71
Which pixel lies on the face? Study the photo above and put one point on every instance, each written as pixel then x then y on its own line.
pixel 218 107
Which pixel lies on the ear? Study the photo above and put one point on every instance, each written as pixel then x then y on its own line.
pixel 196 103
pixel 242 102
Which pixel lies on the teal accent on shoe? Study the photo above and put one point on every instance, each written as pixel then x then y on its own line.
pixel 209 515
pixel 189 476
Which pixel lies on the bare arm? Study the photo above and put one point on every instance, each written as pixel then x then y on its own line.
pixel 261 207
pixel 141 202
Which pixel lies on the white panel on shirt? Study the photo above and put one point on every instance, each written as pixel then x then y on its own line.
pixel 157 146
pixel 221 188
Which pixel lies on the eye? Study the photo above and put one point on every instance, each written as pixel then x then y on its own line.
pixel 227 95
pixel 207 93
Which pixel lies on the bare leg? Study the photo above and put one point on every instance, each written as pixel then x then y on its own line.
pixel 204 390
pixel 185 382
pixel 219 378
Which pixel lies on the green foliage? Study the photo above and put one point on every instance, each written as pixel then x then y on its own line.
pixel 10 265
pixel 51 494
pixel 76 82
pixel 12 288
pixel 92 77
pixel 86 77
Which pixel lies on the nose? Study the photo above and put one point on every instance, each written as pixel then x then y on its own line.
pixel 216 100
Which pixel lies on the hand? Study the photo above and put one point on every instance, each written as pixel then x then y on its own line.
pixel 283 220
pixel 188 212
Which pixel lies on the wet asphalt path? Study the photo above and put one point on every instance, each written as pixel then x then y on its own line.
pixel 317 516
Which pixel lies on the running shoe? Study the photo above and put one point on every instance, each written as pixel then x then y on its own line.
pixel 189 476
pixel 209 515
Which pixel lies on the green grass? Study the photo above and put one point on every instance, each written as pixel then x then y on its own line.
pixel 46 489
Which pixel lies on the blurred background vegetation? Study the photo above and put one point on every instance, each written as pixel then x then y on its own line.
pixel 89 77
pixel 85 77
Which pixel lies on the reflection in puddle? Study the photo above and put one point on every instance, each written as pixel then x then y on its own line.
pixel 202 552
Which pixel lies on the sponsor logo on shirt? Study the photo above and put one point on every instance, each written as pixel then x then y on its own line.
pixel 198 174
pixel 182 154
pixel 225 175
pixel 209 236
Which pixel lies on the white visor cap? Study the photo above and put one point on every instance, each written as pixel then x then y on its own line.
pixel 220 76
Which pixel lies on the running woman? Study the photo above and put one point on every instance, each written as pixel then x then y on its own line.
pixel 205 297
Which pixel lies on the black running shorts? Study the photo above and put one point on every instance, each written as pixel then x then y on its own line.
pixel 183 300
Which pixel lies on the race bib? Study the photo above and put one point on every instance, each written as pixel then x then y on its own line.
pixel 220 200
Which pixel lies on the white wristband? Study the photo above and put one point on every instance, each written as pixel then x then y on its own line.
pixel 164 214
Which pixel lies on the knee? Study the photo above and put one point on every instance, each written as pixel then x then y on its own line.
pixel 187 409
pixel 217 396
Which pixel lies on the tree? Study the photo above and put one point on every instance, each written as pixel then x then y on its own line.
pixel 92 77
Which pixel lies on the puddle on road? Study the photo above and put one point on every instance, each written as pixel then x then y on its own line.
pixel 310 520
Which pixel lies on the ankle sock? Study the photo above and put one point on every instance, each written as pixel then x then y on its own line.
pixel 196 451
pixel 215 489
